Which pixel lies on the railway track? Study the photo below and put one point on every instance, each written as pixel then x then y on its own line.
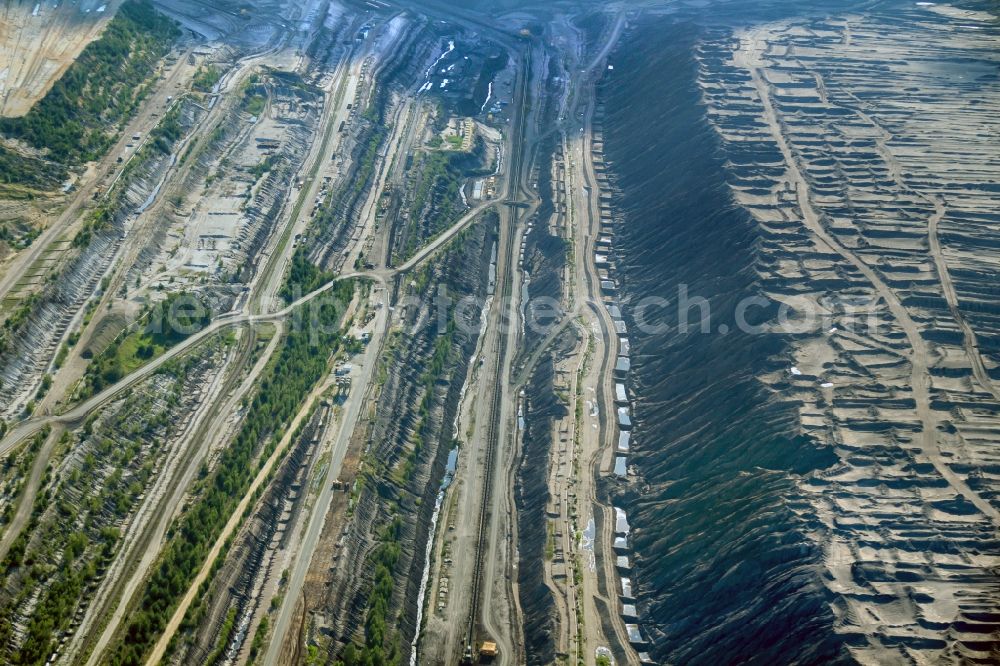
pixel 496 405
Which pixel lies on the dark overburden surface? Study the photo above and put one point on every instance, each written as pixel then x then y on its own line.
pixel 724 571
pixel 532 495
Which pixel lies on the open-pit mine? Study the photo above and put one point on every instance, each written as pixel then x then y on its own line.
pixel 398 332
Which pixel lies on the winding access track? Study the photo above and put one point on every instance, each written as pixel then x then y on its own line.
pixel 77 414
pixel 811 219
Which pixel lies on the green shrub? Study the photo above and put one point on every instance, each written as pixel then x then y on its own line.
pixel 74 122
pixel 301 361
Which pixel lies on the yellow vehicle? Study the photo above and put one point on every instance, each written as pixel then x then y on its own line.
pixel 488 650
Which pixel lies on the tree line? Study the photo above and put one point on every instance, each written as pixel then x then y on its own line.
pixel 75 121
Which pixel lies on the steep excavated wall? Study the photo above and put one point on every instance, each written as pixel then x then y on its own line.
pixel 38 41
pixel 723 569
pixel 31 345
pixel 402 478
pixel 542 408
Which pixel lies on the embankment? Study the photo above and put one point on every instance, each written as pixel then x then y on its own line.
pixel 723 570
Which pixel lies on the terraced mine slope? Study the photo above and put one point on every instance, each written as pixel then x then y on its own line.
pixel 39 41
pixel 852 432
pixel 877 206
pixel 384 332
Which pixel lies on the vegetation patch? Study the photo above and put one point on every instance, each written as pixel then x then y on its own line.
pixel 206 77
pixel 97 220
pixel 303 276
pixel 87 494
pixel 302 360
pixel 441 360
pixel 381 644
pixel 19 169
pixel 436 203
pixel 76 119
pixel 15 320
pixel 18 234
pixel 255 104
pixel 182 314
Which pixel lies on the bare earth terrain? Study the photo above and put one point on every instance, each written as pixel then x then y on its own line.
pixel 880 231
pixel 333 356
pixel 38 41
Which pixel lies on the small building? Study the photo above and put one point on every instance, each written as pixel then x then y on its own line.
pixel 622 367
pixel 615 312
pixel 621 561
pixel 621 467
pixel 627 589
pixel 624 346
pixel 620 544
pixel 629 612
pixel 634 635
pixel 488 649
pixel 620 396
pixel 621 521
pixel 620 328
pixel 624 441
pixel 624 419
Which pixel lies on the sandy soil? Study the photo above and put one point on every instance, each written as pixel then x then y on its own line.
pixel 38 41
pixel 880 230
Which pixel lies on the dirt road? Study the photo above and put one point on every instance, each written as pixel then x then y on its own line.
pixel 919 357
pixel 350 413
